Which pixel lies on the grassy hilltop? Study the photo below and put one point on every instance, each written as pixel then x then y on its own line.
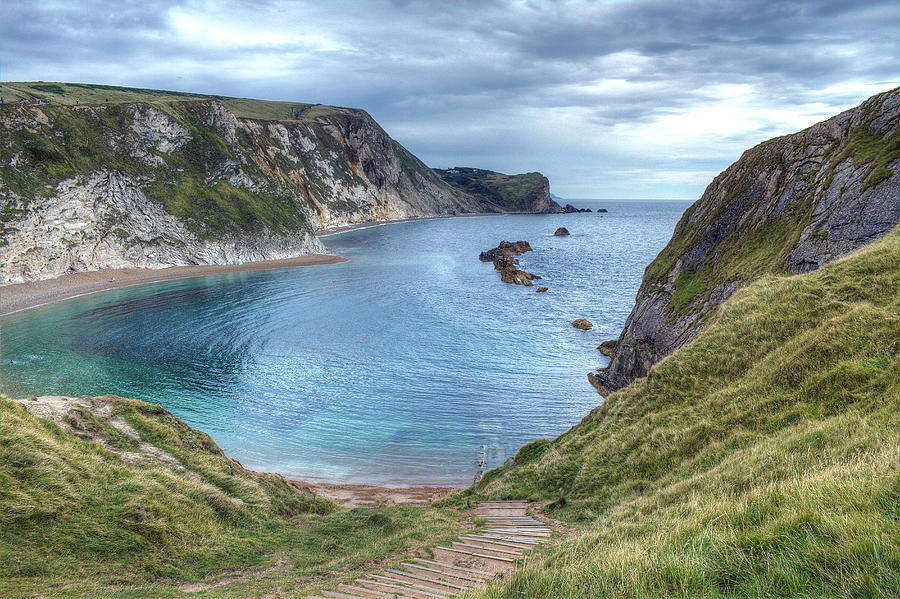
pixel 92 94
pixel 759 460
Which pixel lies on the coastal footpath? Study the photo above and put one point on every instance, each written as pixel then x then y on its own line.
pixel 787 206
pixel 99 177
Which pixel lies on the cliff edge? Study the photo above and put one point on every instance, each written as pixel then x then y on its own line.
pixel 95 177
pixel 788 205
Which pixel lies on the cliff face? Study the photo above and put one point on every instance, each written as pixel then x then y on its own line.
pixel 194 180
pixel 496 192
pixel 788 205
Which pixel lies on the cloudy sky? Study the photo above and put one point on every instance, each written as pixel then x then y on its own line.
pixel 615 99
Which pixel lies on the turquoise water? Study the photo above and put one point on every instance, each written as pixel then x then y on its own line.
pixel 391 368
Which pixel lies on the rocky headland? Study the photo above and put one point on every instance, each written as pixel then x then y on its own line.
pixel 98 177
pixel 788 205
pixel 498 192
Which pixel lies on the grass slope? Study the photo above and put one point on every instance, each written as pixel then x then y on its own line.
pixel 92 94
pixel 759 460
pixel 87 511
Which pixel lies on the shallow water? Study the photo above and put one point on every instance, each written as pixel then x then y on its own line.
pixel 391 368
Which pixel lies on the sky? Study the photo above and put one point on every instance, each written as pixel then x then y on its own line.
pixel 609 99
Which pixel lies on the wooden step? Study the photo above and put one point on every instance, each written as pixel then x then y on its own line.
pixel 466 571
pixel 524 540
pixel 439 575
pixel 525 521
pixel 501 512
pixel 473 540
pixel 480 560
pixel 368 593
pixel 418 585
pixel 413 577
pixel 343 595
pixel 512 554
pixel 524 532
pixel 396 588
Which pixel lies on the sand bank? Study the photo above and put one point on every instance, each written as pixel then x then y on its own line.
pixel 20 296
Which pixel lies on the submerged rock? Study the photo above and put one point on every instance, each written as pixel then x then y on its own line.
pixel 582 323
pixel 560 232
pixel 540 290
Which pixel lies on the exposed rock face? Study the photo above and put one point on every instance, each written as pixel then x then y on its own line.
pixel 496 192
pixel 502 257
pixel 607 347
pixel 789 205
pixel 188 181
pixel 582 323
pixel 561 232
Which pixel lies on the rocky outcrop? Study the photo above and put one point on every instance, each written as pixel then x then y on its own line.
pixel 607 347
pixel 561 232
pixel 582 323
pixel 180 180
pixel 788 205
pixel 570 209
pixel 541 290
pixel 503 258
pixel 496 192
pixel 506 248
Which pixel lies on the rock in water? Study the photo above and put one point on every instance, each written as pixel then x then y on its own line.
pixel 506 248
pixel 582 323
pixel 570 209
pixel 561 232
pixel 540 290
pixel 502 257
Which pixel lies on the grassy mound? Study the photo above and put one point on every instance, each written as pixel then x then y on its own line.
pixel 118 498
pixel 759 460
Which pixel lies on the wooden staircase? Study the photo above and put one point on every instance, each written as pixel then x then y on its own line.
pixel 471 561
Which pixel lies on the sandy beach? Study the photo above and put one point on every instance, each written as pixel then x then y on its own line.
pixel 20 296
pixel 350 495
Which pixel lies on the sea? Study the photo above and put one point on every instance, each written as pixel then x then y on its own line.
pixel 393 368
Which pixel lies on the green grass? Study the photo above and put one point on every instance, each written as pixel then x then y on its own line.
pixel 759 460
pixel 93 94
pixel 78 520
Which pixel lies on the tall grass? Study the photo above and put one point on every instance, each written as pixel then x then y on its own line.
pixel 79 520
pixel 759 460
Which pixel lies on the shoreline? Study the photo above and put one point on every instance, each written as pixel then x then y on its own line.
pixel 17 297
pixel 361 495
pixel 380 223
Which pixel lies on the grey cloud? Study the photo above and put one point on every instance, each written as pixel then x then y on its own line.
pixel 454 81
